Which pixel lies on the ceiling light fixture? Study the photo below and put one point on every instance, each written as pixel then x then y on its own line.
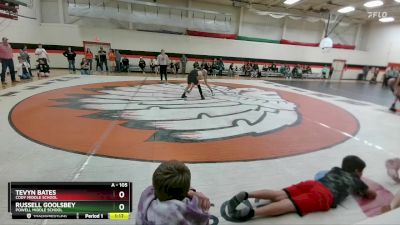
pixel 386 19
pixel 372 4
pixel 347 9
pixel 290 2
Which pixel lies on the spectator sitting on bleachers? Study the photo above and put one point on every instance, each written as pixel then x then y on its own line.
pixel 285 71
pixel 125 65
pixel 265 68
pixel 390 73
pixel 23 69
pixel 152 66
pixel 256 71
pixel 172 67
pixel 43 68
pixel 375 77
pixel 273 68
pixel 177 66
pixel 203 64
pixel 306 69
pixel 196 65
pixel 231 70
pixel 209 71
pixel 85 67
pixel 214 67
pixel 142 64
pixel 297 72
pixel 325 71
pixel 248 68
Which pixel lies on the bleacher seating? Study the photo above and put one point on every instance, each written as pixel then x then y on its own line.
pixel 136 68
pixel 312 75
pixel 271 74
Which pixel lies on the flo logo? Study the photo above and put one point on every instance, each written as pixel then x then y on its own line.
pixel 372 15
pixel 232 112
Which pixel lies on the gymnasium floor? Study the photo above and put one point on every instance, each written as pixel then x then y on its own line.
pixel 358 90
pixel 252 134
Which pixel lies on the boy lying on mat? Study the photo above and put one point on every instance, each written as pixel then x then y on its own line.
pixel 308 196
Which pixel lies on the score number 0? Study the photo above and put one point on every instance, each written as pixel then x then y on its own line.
pixel 121 206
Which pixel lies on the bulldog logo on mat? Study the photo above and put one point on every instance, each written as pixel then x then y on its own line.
pixel 232 112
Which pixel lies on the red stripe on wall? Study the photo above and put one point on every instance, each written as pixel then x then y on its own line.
pixel 341 46
pixel 211 35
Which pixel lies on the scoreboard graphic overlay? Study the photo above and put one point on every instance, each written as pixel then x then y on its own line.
pixel 70 200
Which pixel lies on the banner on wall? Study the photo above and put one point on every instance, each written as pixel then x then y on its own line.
pixel 394 65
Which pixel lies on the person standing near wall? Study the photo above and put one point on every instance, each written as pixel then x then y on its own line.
pixel 42 54
pixel 163 61
pixel 112 58
pixel 6 58
pixel 71 59
pixel 89 58
pixel 118 58
pixel 183 62
pixel 102 58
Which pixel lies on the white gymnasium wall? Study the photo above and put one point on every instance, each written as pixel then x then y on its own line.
pixel 345 34
pixel 234 19
pixel 58 34
pixel 49 11
pixel 261 26
pixel 253 25
pixel 384 42
pixel 383 48
pixel 304 31
pixel 62 34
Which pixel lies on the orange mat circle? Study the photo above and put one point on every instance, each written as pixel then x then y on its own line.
pixel 43 119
